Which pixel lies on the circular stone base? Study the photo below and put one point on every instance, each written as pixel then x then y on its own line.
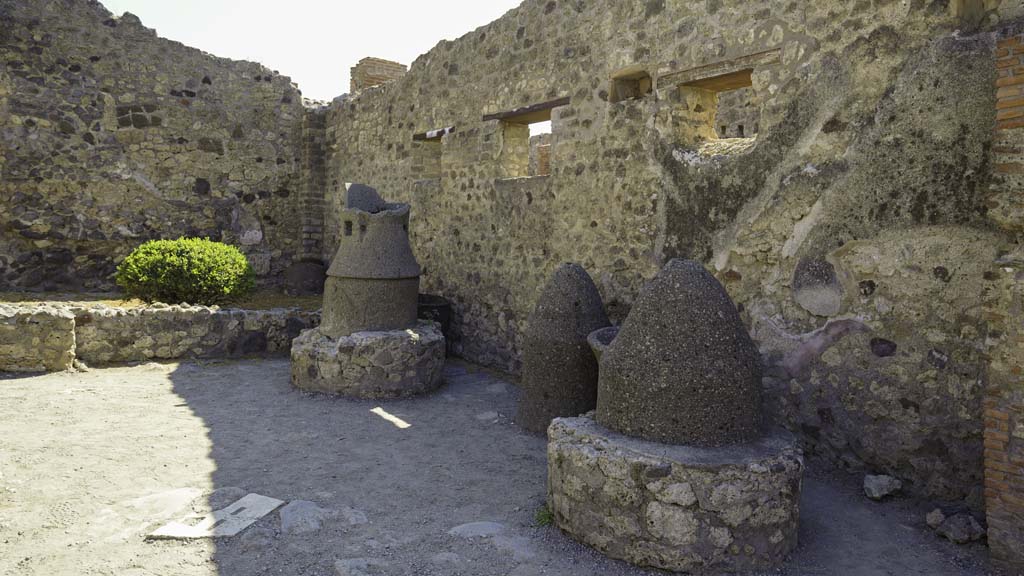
pixel 392 364
pixel 676 508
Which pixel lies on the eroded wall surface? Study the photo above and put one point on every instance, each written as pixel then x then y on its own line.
pixel 853 232
pixel 110 136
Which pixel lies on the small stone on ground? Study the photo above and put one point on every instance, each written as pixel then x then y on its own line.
pixel 881 486
pixel 302 516
pixel 961 528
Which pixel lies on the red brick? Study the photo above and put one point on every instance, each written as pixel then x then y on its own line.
pixel 996 485
pixel 1002 52
pixel 1007 62
pixel 1009 42
pixel 1008 91
pixel 1011 168
pixel 993 455
pixel 1004 103
pixel 998 470
pixel 1008 113
pixel 1009 124
pixel 997 436
pixel 1010 81
pixel 1015 501
pixel 997 414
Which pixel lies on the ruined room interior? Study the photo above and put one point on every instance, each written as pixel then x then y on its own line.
pixel 600 287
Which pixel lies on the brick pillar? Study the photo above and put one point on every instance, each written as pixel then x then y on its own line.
pixel 1004 397
pixel 371 72
pixel 314 183
pixel 544 160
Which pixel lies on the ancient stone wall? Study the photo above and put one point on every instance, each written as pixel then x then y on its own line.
pixel 108 335
pixel 50 337
pixel 36 339
pixel 852 231
pixel 110 136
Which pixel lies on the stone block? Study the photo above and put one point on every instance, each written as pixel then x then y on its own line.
pixel 389 364
pixel 688 509
pixel 36 339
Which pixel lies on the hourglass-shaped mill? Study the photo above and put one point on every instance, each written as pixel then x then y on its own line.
pixel 370 343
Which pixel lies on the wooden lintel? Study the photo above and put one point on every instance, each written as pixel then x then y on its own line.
pixel 705 76
pixel 529 114
pixel 433 134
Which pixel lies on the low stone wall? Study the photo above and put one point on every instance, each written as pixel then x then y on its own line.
pixel 36 339
pixel 109 335
pixel 49 337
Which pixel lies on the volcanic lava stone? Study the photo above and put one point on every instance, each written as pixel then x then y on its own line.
pixel 559 369
pixel 683 369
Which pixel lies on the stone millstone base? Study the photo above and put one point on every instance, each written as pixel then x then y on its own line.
pixel 378 365
pixel 678 508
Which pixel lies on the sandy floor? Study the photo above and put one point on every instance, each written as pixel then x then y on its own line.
pixel 90 462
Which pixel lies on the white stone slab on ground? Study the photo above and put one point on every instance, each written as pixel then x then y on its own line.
pixel 221 523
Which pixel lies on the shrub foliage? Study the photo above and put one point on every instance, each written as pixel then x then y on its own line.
pixel 193 270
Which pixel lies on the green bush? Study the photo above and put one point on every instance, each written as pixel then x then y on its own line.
pixel 193 270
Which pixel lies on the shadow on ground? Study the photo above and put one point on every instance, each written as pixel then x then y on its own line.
pixel 462 461
pixel 92 462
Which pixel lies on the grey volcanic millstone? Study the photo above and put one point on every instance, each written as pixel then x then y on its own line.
pixel 373 281
pixel 559 368
pixel 683 369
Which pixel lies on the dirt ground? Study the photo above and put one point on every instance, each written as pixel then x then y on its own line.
pixel 90 462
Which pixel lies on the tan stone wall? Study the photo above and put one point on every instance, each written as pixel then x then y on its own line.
pixel 110 136
pixel 36 339
pixel 863 160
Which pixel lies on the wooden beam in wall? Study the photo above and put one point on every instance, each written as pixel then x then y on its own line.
pixel 529 114
pixel 433 134
pixel 734 73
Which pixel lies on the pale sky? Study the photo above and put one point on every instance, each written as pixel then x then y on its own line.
pixel 315 42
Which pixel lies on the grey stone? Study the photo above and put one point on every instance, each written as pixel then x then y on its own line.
pixel 559 369
pixel 961 528
pixel 302 516
pixel 365 198
pixel 935 518
pixel 477 529
pixel 816 288
pixel 878 487
pixel 373 281
pixel 694 513
pixel 683 368
pixel 345 365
